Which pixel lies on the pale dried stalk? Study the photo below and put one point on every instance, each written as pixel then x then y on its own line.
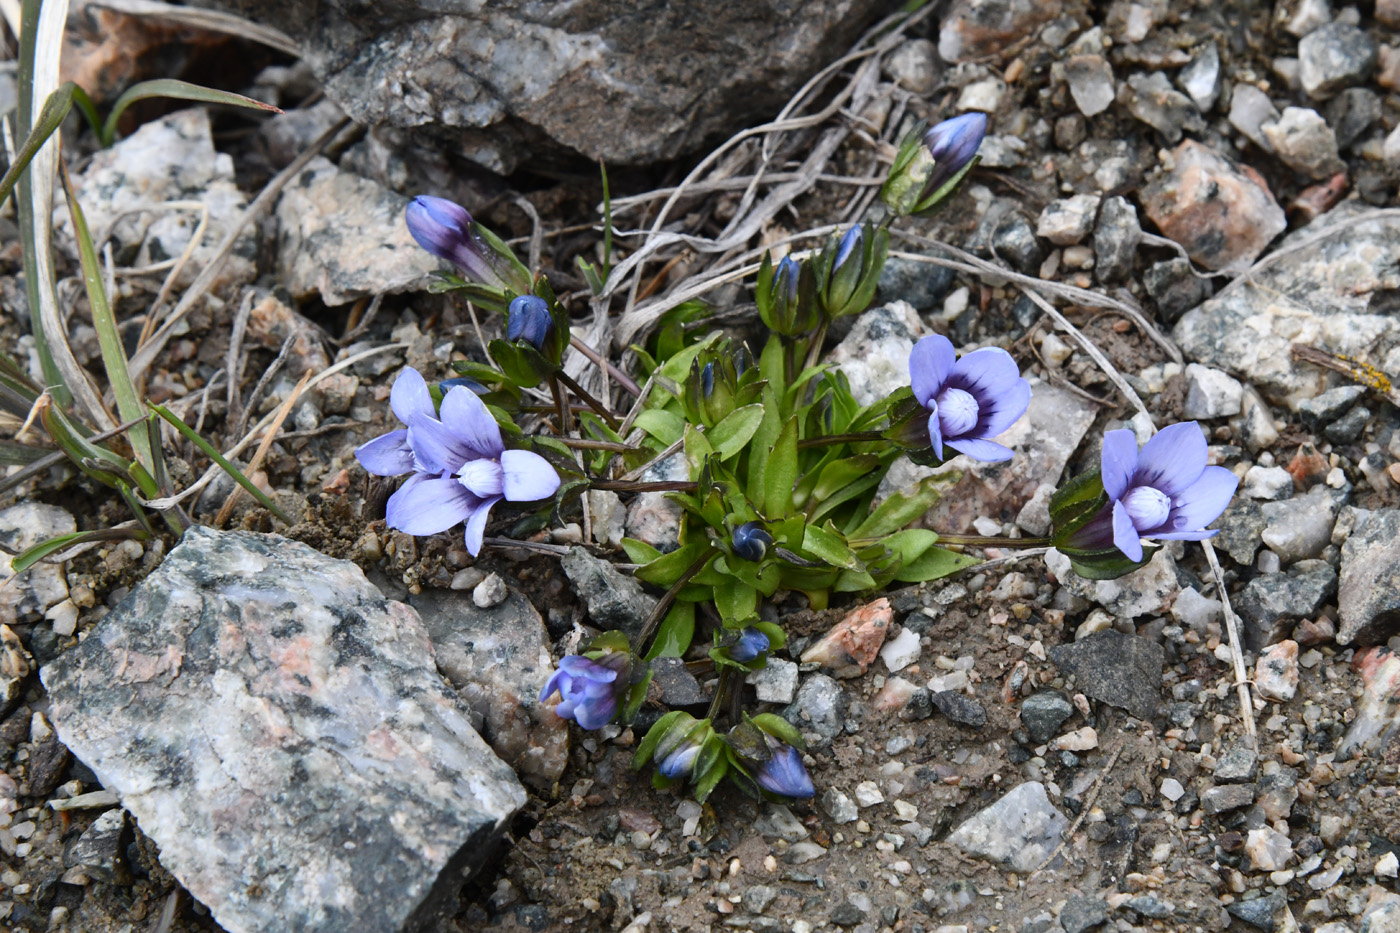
pixel 1233 633
pixel 256 463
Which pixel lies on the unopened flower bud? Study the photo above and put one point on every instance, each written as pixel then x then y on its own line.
pixel 751 542
pixel 529 319
pixel 752 644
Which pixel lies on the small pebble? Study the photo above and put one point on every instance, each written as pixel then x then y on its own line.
pixel 490 593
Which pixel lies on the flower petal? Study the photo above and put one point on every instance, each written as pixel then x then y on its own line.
pixel 553 683
pixel 1173 459
pixel 981 449
pixel 482 477
pixel 999 411
pixel 1202 502
pixel 1185 535
pixel 1125 536
pixel 435 448
pixel 476 522
pixel 595 713
pixel 428 504
pixel 1118 462
pixel 527 477
pixel 985 373
pixel 466 417
pixel 386 455
pixel 930 362
pixel 935 430
pixel 410 398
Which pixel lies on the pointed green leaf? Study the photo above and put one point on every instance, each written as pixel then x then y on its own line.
pixel 780 474
pixel 934 563
pixel 176 90
pixel 675 633
pixel 667 427
pixel 734 431
pixel 902 508
pixel 830 547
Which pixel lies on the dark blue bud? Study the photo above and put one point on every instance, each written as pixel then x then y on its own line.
pixel 952 144
pixel 707 380
pixel 849 244
pixel 741 361
pixel 751 542
pixel 751 644
pixel 444 228
pixel 785 279
pixel 465 383
pixel 528 319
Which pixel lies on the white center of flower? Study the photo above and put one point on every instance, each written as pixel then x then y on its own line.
pixel 1147 507
pixel 957 412
pixel 481 477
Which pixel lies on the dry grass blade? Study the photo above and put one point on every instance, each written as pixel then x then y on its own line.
pixel 1361 373
pixel 210 20
pixel 261 452
pixel 1232 629
pixel 145 355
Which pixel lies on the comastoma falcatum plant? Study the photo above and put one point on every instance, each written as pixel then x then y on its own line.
pixel 784 466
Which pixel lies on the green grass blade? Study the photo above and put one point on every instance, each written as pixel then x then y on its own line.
pixel 129 405
pixel 50 119
pixel 13 454
pixel 31 556
pixel 607 225
pixel 222 461
pixel 178 90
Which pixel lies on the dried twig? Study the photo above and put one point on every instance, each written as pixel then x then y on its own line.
pixel 211 20
pixel 1084 810
pixel 1361 373
pixel 256 463
pixel 1233 632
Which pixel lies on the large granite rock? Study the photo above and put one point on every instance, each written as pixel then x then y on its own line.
pixel 1332 294
pixel 1368 596
pixel 278 728
pixel 499 660
pixel 607 78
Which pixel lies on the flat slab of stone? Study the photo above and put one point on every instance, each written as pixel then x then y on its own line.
pixel 279 729
pixel 1117 669
pixel 1019 831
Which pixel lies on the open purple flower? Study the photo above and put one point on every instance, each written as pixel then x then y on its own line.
pixel 459 463
pixel 589 690
pixel 969 400
pixel 1163 491
pixel 783 773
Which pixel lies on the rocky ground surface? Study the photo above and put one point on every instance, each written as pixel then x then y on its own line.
pixel 1010 749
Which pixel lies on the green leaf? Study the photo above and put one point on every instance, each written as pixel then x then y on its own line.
pixel 522 366
pixel 934 563
pixel 780 474
pixel 780 729
pixel 639 552
pixel 911 543
pixel 1108 564
pixel 653 738
pixel 710 779
pixel 667 427
pixel 830 547
pixel 175 90
pixel 854 581
pixel 635 696
pixel 668 568
pixel 734 431
pixel 13 454
pixel 213 454
pixel 51 117
pixel 900 508
pixel 676 632
pixel 850 491
pixel 737 602
pixel 32 555
pixel 1075 503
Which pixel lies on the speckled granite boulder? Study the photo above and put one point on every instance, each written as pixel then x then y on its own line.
pixel 1368 596
pixel 279 729
pixel 612 79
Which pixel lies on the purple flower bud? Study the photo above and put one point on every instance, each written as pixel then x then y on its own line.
pixel 952 144
pixel 851 242
pixel 707 380
pixel 751 644
pixel 680 747
pixel 444 228
pixel 969 400
pixel 750 541
pixel 783 773
pixel 590 692
pixel 785 280
pixel 528 318
pixel 1164 491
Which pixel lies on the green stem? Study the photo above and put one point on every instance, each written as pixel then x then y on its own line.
pixel 581 443
pixel 814 349
pixel 721 689
pixel 663 604
pixel 830 439
pixel 617 485
pixel 992 541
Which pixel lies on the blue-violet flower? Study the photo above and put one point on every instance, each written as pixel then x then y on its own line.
pixel 969 400
pixel 529 319
pixel 444 228
pixel 952 144
pixel 589 690
pixel 783 773
pixel 459 463
pixel 750 541
pixel 1163 491
pixel 752 644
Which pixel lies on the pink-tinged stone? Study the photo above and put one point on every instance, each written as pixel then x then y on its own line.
pixel 1377 719
pixel 1223 214
pixel 894 695
pixel 978 28
pixel 850 647
pixel 1276 671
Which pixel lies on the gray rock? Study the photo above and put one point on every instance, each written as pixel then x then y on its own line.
pixel 1121 670
pixel 757 897
pixel 961 709
pixel 1261 912
pixel 1153 100
pixel 1267 483
pixel 678 686
pixel 1175 287
pixel 1323 409
pixel 838 806
pixel 27 597
pixel 1226 797
pixel 1201 79
pixel 1148 906
pixel 820 707
pixel 98 851
pixel 914 65
pixel 1303 141
pixel 1210 393
pixel 974 29
pixel 614 600
pixel 278 729
pixel 1116 240
pixel 1272 603
pixel 1368 596
pixel 1066 221
pixel 1043 712
pixel 921 284
pixel 651 516
pixel 874 356
pixel 1014 241
pixel 498 660
pixel 776 683
pixel 1348 427
pixel 1325 294
pixel 1239 764
pixel 1301 528
pixel 1149 590
pixel 1019 831
pixel 344 237
pixel 1250 109
pixel 289 134
pixel 1081 914
pixel 1351 113
pixel 1240 527
pixel 499 81
pixel 1383 918
pixel 1334 57
pixel 1091 83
